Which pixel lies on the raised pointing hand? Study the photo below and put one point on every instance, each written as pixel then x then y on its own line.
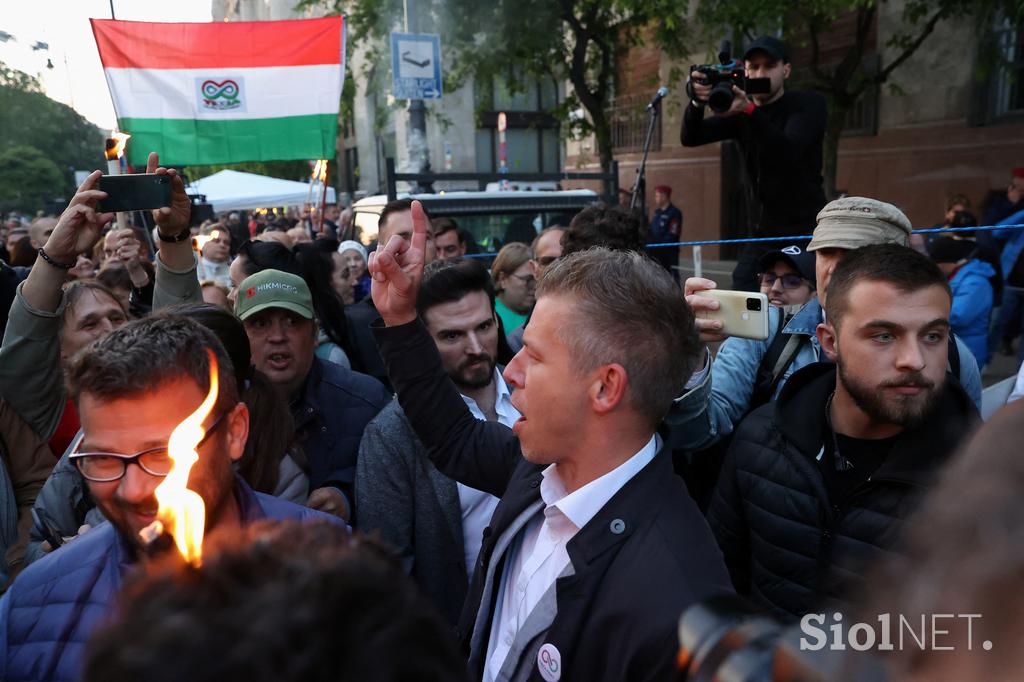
pixel 397 270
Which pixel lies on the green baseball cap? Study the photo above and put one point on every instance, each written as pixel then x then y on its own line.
pixel 273 289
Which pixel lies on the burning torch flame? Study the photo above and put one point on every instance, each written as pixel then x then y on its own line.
pixel 322 170
pixel 182 511
pixel 115 145
pixel 201 239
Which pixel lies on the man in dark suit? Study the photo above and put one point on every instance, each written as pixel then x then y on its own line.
pixel 434 523
pixel 595 548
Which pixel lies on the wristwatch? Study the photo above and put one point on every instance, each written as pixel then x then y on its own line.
pixel 180 237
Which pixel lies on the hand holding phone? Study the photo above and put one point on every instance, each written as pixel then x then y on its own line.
pixel 710 330
pixel 741 313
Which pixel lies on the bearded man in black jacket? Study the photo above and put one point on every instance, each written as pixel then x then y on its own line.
pixel 816 485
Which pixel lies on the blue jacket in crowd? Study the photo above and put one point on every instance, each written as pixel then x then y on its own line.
pixel 972 306
pixel 330 416
pixel 1014 238
pixel 49 612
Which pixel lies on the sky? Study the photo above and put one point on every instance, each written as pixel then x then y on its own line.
pixel 77 76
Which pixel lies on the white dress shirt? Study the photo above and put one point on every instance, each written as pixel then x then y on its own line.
pixel 538 556
pixel 478 506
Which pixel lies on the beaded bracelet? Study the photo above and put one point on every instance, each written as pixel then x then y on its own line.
pixel 46 257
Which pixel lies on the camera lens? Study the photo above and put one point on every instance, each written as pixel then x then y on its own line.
pixel 754 304
pixel 721 97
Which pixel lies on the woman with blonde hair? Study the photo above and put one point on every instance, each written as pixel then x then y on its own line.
pixel 514 285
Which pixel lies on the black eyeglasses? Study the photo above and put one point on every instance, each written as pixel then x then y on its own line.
pixel 789 281
pixel 545 261
pixel 103 467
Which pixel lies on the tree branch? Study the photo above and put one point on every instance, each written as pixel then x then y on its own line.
pixel 927 29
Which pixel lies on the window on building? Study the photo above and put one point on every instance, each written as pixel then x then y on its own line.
pixel 1008 85
pixel 532 141
pixel 1000 96
pixel 629 120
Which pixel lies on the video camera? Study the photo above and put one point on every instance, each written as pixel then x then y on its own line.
pixel 726 639
pixel 722 76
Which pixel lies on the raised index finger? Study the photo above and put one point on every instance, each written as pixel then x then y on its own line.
pixel 420 225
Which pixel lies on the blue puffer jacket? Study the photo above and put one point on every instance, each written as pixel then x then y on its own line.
pixel 972 306
pixel 54 605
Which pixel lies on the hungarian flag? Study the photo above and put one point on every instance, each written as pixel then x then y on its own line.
pixel 225 92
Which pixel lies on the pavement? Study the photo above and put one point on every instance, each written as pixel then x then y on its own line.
pixel 999 367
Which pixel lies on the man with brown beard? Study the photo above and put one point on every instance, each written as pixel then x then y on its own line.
pixel 817 484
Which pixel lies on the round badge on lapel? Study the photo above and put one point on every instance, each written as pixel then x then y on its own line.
pixel 618 526
pixel 549 662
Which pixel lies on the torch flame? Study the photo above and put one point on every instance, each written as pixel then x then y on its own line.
pixel 182 511
pixel 322 172
pixel 200 240
pixel 115 144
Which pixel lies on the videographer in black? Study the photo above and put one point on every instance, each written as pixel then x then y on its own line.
pixel 780 134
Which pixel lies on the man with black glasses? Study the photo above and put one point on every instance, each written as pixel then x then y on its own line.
pixel 132 389
pixel 787 277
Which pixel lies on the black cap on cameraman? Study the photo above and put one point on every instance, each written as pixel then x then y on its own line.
pixel 773 46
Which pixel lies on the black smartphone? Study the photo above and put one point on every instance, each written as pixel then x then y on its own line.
pixel 45 529
pixel 135 192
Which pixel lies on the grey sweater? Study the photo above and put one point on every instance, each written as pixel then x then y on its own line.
pixel 414 507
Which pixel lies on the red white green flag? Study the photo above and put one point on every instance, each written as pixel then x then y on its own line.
pixel 225 92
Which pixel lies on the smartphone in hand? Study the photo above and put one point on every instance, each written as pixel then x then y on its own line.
pixel 134 192
pixel 741 313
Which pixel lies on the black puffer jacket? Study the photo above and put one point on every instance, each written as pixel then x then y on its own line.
pixel 786 545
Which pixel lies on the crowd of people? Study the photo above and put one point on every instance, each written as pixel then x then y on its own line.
pixel 421 467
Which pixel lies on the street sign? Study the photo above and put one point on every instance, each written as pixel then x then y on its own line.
pixel 416 66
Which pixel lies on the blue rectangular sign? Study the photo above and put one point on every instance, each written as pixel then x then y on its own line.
pixel 416 65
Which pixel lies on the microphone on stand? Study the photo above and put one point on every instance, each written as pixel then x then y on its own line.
pixel 658 96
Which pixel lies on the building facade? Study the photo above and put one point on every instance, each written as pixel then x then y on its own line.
pixel 462 127
pixel 942 129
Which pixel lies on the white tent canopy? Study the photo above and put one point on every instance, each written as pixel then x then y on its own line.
pixel 230 190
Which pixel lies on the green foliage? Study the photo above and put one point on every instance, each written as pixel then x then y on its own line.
pixel 28 117
pixel 516 41
pixel 27 179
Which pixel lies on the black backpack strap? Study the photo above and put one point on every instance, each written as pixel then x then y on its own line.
pixel 766 371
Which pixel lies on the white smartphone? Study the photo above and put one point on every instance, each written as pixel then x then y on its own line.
pixel 742 313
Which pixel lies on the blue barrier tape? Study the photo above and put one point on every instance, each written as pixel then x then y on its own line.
pixel 806 237
pixel 793 238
